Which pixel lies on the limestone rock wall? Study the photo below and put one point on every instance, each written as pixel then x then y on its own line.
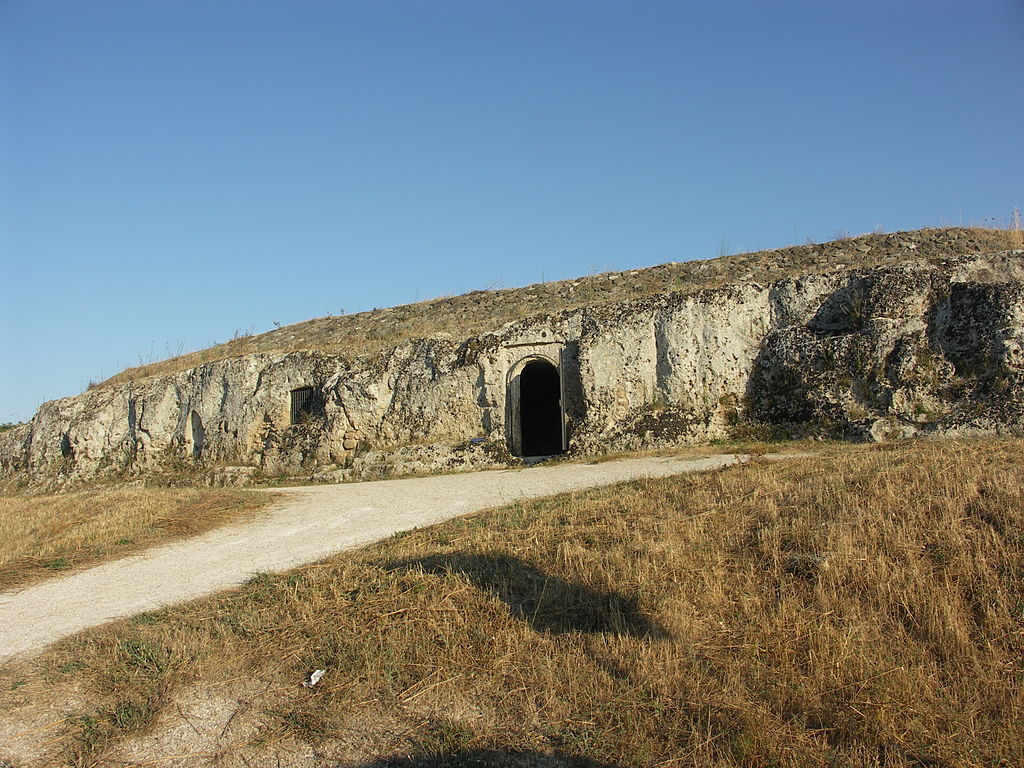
pixel 891 351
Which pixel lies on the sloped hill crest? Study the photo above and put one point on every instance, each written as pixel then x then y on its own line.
pixel 476 312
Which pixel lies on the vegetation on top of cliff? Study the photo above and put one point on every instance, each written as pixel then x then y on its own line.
pixel 861 608
pixel 481 311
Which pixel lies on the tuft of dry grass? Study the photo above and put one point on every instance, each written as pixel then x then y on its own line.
pixel 859 608
pixel 45 534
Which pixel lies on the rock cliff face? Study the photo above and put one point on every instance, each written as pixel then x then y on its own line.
pixel 901 350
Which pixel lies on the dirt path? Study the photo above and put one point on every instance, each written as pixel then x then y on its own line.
pixel 307 524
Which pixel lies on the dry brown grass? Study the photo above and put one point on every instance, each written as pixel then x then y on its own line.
pixel 41 535
pixel 858 609
pixel 479 312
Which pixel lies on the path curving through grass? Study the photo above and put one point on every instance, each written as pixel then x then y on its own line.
pixel 306 524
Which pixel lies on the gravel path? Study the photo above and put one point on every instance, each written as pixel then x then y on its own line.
pixel 307 524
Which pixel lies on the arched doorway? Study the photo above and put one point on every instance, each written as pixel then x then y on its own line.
pixel 540 409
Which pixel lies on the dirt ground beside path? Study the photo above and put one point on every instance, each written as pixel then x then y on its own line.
pixel 307 524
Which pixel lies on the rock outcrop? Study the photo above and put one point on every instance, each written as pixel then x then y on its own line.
pixel 935 346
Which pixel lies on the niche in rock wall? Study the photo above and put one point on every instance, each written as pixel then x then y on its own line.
pixel 198 434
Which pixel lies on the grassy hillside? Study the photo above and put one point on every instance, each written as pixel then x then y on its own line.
pixel 861 608
pixel 481 311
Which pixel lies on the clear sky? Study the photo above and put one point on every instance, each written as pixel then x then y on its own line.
pixel 174 172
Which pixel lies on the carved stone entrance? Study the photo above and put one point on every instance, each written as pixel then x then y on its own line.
pixel 536 414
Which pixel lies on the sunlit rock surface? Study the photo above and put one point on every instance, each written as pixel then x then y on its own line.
pixel 934 346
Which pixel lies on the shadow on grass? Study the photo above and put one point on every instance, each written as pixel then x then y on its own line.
pixel 486 758
pixel 548 603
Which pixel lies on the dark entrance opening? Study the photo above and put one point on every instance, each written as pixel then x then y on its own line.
pixel 304 405
pixel 540 409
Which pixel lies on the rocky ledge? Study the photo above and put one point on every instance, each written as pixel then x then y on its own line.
pixel 914 348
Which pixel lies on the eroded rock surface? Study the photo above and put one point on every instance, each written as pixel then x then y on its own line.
pixel 934 346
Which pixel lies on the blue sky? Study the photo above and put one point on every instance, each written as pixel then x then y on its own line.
pixel 174 172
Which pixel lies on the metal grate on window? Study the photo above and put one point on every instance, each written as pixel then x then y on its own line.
pixel 302 404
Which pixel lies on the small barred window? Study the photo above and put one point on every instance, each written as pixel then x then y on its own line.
pixel 302 404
